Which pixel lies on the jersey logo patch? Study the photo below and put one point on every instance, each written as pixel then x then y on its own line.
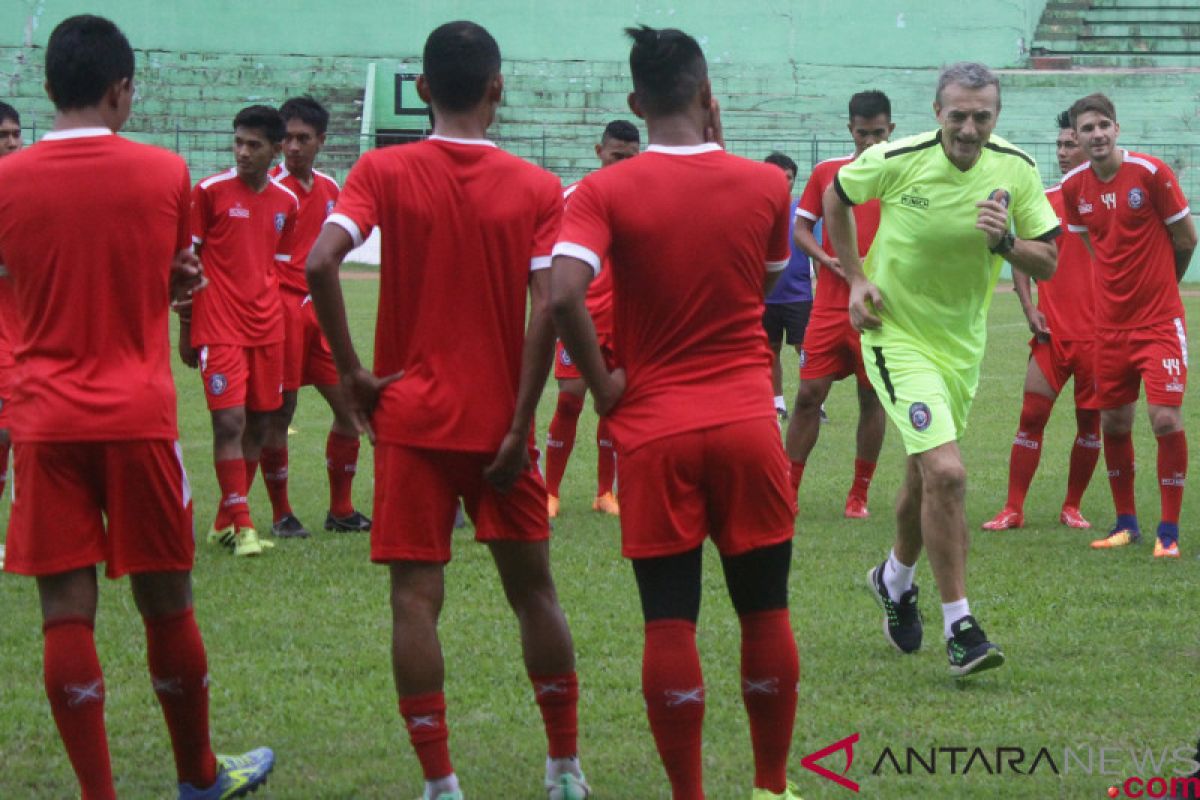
pixel 280 218
pixel 329 204
pixel 564 358
pixel 1137 198
pixel 920 416
pixel 217 384
pixel 240 212
pixel 1084 206
pixel 913 201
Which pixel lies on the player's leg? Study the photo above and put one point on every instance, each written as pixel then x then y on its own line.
pixel 5 446
pixel 1163 364
pixel 1036 404
pixel 891 582
pixel 341 461
pixel 805 425
pixel 229 426
pixel 606 470
pixel 560 438
pixel 1118 384
pixel 274 461
pixel 672 680
pixel 1085 452
pixel 263 399
pixel 774 322
pixel 872 422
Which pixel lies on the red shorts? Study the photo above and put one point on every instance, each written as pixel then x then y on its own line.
pixel 76 504
pixel 8 382
pixel 417 491
pixel 564 367
pixel 729 483
pixel 242 376
pixel 307 359
pixel 831 348
pixel 1156 355
pixel 1059 361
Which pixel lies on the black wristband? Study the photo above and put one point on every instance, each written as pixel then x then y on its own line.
pixel 1005 245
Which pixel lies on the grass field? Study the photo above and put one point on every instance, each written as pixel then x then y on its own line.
pixel 1103 647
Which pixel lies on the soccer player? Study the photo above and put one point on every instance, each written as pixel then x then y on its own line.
pixel 307 360
pixel 10 142
pixel 831 347
pixel 619 142
pixel 946 201
pixel 97 467
pixel 1062 347
pixel 466 231
pixel 1130 209
pixel 242 223
pixel 699 444
pixel 790 302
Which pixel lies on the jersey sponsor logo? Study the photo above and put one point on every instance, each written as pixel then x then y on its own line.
pixel 280 219
pixel 329 204
pixel 1174 387
pixel 239 211
pixel 920 416
pixel 217 384
pixel 1109 199
pixel 1084 206
pixel 914 201
pixel 1137 198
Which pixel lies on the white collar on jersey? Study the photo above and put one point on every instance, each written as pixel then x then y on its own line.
pixel 684 150
pixel 480 142
pixel 76 133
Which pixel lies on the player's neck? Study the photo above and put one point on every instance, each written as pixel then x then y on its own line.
pixel 304 176
pixel 81 118
pixel 679 130
pixel 255 183
pixel 1106 169
pixel 460 126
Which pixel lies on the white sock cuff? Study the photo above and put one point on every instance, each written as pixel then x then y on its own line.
pixel 952 613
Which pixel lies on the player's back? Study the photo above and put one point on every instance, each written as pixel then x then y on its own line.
pixel 692 230
pixel 89 225
pixel 461 226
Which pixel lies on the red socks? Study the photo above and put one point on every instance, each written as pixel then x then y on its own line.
pixel 863 472
pixel 234 508
pixel 179 671
pixel 606 458
pixel 1118 456
pixel 560 439
pixel 341 459
pixel 75 688
pixel 770 672
pixel 673 686
pixel 558 698
pixel 1172 471
pixel 1027 447
pixel 795 475
pixel 425 717
pixel 275 478
pixel 1084 455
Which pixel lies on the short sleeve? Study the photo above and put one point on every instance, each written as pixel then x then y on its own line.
pixel 586 233
pixel 287 237
pixel 864 178
pixel 549 222
pixel 183 205
pixel 810 207
pixel 1071 219
pixel 199 214
pixel 1033 216
pixel 1167 195
pixel 357 209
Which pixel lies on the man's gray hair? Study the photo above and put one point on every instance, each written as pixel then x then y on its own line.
pixel 969 75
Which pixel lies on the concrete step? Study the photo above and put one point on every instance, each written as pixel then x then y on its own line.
pixel 1142 30
pixel 1118 45
pixel 1142 15
pixel 1154 4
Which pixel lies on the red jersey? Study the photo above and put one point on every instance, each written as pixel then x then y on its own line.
pixel 599 300
pixel 1067 299
pixel 462 224
pixel 244 238
pixel 689 233
pixel 1126 220
pixel 8 310
pixel 315 205
pixel 832 289
pixel 89 225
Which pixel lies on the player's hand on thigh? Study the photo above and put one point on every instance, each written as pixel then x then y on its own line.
pixel 362 389
pixel 866 301
pixel 188 354
pixel 1038 325
pixel 511 460
pixel 609 394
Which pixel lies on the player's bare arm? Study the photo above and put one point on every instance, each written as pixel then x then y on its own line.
pixel 803 238
pixel 568 287
pixel 1034 257
pixel 1183 240
pixel 362 387
pixel 1022 285
pixel 536 357
pixel 865 298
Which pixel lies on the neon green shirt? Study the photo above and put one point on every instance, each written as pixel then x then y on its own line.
pixel 928 259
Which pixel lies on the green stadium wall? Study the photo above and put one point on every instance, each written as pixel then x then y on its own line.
pixel 783 73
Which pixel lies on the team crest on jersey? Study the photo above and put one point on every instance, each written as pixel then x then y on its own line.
pixel 1137 198
pixel 565 358
pixel 280 218
pixel 920 416
pixel 329 204
pixel 217 384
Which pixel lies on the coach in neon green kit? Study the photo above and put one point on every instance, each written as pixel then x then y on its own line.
pixel 955 202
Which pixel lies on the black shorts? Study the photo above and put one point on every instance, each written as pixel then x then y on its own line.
pixel 790 317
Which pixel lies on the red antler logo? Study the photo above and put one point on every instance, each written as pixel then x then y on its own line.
pixel 809 762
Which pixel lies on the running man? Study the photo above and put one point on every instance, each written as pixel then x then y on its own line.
pixel 242 223
pixel 1063 324
pixel 619 142
pixel 467 232
pixel 947 198
pixel 1131 211
pixel 97 462
pixel 831 347
pixel 306 357
pixel 699 444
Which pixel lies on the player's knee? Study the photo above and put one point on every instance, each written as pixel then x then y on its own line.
pixel 669 586
pixel 228 425
pixel 757 581
pixel 945 477
pixel 1165 420
pixel 810 395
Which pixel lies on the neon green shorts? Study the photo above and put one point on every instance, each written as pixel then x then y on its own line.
pixel 927 402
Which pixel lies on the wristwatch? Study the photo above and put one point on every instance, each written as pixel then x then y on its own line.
pixel 1005 244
